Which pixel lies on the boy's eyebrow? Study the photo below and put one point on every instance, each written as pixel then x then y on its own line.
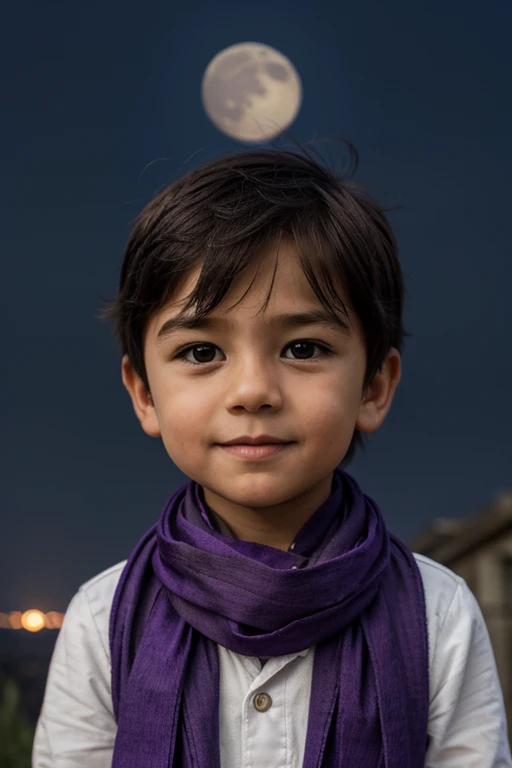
pixel 287 320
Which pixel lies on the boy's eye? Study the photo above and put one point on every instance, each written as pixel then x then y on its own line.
pixel 203 352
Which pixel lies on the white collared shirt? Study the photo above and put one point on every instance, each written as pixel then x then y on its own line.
pixel 467 723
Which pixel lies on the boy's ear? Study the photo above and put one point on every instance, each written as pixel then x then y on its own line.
pixel 141 399
pixel 379 394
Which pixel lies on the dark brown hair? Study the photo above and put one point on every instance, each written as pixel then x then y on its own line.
pixel 225 211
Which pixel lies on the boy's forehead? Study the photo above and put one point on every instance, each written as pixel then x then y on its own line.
pixel 276 273
pixel 267 287
pixel 279 266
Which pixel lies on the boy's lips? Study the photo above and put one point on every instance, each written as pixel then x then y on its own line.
pixel 260 440
pixel 260 451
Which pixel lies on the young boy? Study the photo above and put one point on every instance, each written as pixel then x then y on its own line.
pixel 268 619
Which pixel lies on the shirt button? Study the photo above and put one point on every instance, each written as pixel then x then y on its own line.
pixel 262 702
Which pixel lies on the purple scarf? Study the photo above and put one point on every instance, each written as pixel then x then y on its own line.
pixel 349 587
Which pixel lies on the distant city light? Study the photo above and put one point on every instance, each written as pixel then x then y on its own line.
pixel 53 620
pixel 32 620
pixel 15 619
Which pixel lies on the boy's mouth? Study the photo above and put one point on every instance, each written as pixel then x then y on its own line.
pixel 261 440
pixel 258 451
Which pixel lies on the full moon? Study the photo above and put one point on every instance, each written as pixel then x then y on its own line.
pixel 251 92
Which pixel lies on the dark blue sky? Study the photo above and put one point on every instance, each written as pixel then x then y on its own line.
pixel 95 93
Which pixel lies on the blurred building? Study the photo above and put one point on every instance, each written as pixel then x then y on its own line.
pixel 479 548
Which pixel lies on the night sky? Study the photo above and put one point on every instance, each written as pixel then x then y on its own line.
pixel 101 107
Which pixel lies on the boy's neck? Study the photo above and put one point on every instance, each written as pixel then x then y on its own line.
pixel 272 538
pixel 273 526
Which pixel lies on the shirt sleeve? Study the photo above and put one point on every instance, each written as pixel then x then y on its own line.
pixel 76 726
pixel 467 721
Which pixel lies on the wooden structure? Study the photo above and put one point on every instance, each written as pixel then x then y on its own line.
pixel 479 548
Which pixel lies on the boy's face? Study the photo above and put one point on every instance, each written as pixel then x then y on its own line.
pixel 257 383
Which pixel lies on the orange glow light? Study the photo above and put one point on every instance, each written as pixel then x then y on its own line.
pixel 33 620
pixel 15 619
pixel 53 620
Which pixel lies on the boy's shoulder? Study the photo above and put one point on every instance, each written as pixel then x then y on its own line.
pixel 440 585
pixel 436 573
pixel 99 595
